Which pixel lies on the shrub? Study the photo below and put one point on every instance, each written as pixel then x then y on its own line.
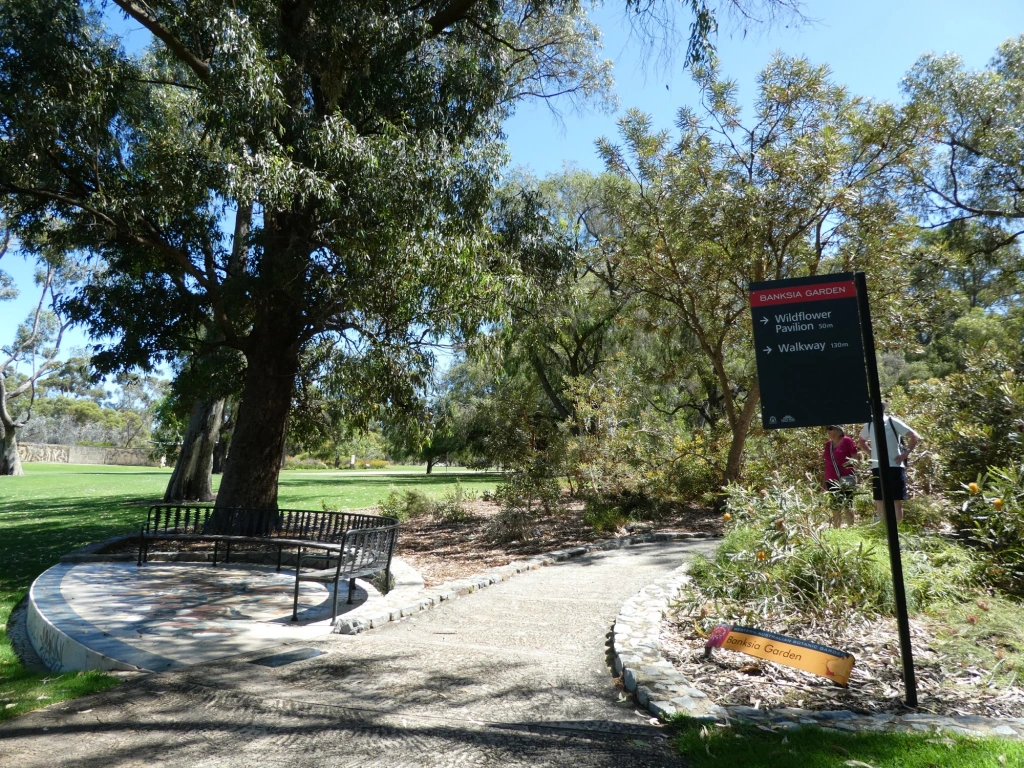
pixel 377 464
pixel 618 447
pixel 303 462
pixel 604 516
pixel 970 421
pixel 454 505
pixel 394 506
pixel 406 504
pixel 522 496
pixel 780 554
pixel 991 516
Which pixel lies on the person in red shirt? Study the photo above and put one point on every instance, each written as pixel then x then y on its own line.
pixel 840 479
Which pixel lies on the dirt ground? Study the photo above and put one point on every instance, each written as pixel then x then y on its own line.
pixel 442 551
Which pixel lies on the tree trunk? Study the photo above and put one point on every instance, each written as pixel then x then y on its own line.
pixel 430 466
pixel 257 441
pixel 10 461
pixel 191 480
pixel 223 446
pixel 740 430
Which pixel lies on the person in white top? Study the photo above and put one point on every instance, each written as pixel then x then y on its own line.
pixel 900 440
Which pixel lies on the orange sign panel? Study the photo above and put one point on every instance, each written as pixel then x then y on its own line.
pixel 821 660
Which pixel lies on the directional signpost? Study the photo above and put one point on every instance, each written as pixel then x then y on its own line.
pixel 810 361
pixel 810 337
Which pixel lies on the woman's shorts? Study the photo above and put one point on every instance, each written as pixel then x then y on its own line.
pixel 897 482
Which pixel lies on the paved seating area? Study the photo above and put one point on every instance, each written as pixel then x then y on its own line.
pixel 166 615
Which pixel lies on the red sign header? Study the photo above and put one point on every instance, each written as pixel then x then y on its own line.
pixel 793 294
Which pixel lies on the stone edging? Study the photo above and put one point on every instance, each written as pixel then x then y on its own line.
pixel 663 691
pixel 405 600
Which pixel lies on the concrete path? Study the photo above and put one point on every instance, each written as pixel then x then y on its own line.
pixel 513 675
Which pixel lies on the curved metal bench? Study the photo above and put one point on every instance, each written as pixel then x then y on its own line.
pixel 354 545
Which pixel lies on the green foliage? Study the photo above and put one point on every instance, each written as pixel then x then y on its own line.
pixel 354 156
pixel 523 496
pixel 622 451
pixel 970 420
pixel 303 462
pixel 787 455
pixel 605 515
pixel 983 415
pixel 809 186
pixel 404 505
pixel 453 507
pixel 991 515
pixel 780 554
pixel 974 118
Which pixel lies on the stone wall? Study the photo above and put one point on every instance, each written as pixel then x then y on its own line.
pixel 85 454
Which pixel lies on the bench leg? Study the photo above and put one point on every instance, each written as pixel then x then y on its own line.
pixel 295 601
pixel 216 544
pixel 334 599
pixel 227 551
pixel 142 544
pixel 351 590
pixel 279 559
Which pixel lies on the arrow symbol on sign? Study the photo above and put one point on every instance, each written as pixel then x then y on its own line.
pixel 764 321
pixel 767 350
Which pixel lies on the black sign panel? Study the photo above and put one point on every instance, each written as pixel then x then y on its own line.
pixel 810 359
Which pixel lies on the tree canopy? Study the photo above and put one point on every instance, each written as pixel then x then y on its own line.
pixel 352 152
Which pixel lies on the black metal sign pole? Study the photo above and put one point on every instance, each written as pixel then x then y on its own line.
pixel 882 449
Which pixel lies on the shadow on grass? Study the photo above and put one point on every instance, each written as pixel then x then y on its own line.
pixel 709 745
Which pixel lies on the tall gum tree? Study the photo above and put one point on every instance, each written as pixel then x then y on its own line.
pixel 976 169
pixel 808 186
pixel 356 146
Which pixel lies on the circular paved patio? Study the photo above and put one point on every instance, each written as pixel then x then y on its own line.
pixel 164 615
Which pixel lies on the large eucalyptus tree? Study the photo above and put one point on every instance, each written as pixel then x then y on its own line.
pixel 285 171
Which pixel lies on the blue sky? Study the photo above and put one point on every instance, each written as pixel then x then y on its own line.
pixel 870 45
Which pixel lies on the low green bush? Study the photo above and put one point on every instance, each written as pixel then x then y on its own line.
pixel 781 554
pixel 990 514
pixel 404 505
pixel 303 462
pixel 454 505
pixel 522 496
pixel 450 508
pixel 601 515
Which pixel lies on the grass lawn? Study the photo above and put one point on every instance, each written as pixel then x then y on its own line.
pixel 750 747
pixel 55 508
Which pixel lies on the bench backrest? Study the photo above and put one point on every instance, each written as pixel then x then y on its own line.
pixel 307 525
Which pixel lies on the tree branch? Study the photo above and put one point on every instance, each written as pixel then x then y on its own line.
pixel 179 49
pixel 455 11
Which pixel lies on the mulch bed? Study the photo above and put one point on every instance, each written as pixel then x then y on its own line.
pixel 443 551
pixel 945 686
